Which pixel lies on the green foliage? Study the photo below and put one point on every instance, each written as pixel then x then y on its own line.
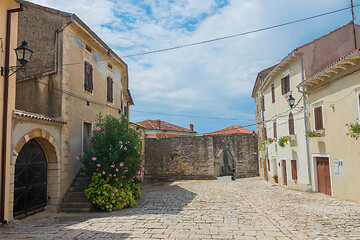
pixel 262 145
pixel 275 176
pixel 282 141
pixel 111 194
pixel 354 130
pixel 270 140
pixel 135 189
pixel 310 133
pixel 114 150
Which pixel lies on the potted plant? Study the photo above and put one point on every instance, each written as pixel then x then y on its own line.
pixel 354 130
pixel 283 141
pixel 270 140
pixel 275 178
pixel 262 144
pixel 311 134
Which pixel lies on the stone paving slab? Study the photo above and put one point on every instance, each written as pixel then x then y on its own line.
pixel 243 209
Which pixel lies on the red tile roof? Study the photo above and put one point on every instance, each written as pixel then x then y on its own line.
pixel 235 129
pixel 36 116
pixel 165 126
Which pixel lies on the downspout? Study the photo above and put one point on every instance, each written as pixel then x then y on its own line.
pixel 305 121
pixel 5 111
pixel 263 134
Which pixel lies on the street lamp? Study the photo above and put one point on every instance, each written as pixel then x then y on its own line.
pixel 23 55
pixel 291 101
pixel 253 134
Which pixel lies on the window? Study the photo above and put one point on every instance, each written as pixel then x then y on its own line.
pixel 291 124
pixel 293 169
pixel 285 84
pixel 275 130
pixel 86 134
pixel 268 165
pixel 263 103
pixel 110 66
pixel 265 133
pixel 109 89
pixel 125 110
pixel 88 48
pixel 88 81
pixel 318 115
pixel 273 92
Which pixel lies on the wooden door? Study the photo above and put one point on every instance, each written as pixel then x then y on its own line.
pixel 284 175
pixel 323 175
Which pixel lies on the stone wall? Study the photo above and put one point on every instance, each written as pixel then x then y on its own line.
pixel 200 157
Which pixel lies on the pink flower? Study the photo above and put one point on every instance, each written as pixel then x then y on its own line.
pixel 120 142
pixel 109 149
pixel 97 128
pixel 117 170
pixel 112 166
pixel 93 158
pixel 103 172
pixel 125 117
pixel 142 169
pixel 107 206
pixel 112 195
pixel 77 158
pixel 110 175
pixel 138 172
pixel 98 165
pixel 125 148
pixel 121 164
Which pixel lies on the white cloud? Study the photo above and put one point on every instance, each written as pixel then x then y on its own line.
pixel 215 79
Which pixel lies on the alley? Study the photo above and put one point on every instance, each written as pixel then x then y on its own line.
pixel 242 209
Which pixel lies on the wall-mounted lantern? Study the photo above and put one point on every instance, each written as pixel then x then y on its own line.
pixel 23 55
pixel 291 101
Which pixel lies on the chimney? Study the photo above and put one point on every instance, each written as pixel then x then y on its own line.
pixel 191 127
pixel 158 123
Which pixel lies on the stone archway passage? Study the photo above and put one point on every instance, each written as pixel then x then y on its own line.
pixel 30 180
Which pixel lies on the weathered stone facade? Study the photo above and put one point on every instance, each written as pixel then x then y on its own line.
pixel 204 157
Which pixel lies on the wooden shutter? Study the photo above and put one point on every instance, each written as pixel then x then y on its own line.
pixel 109 89
pixel 88 81
pixel 291 124
pixel 265 133
pixel 269 164
pixel 273 93
pixel 287 83
pixel 293 169
pixel 283 86
pixel 275 130
pixel 318 118
pixel 263 103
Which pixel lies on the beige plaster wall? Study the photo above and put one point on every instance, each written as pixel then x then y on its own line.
pixel 340 106
pixel 4 6
pixel 279 112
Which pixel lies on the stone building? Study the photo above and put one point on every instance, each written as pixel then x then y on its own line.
pixel 73 76
pixel 162 129
pixel 296 163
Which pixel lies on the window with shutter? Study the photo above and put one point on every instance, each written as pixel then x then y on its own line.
pixel 109 89
pixel 88 81
pixel 285 84
pixel 263 103
pixel 275 130
pixel 273 93
pixel 291 124
pixel 265 133
pixel 318 115
pixel 293 169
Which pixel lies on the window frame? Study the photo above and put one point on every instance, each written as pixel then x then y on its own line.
pixel 316 106
pixel 88 77
pixel 285 84
pixel 109 90
pixel 83 132
pixel 293 164
pixel 275 130
pixel 291 126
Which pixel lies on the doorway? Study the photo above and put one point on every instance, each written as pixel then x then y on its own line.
pixel 323 175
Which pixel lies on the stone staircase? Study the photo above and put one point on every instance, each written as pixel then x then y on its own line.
pixel 75 199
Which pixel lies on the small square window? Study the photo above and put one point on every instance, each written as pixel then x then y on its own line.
pixel 88 48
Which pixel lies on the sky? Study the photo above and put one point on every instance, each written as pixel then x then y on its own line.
pixel 212 82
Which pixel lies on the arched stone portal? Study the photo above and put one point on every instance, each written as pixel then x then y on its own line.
pixel 34 151
pixel 224 162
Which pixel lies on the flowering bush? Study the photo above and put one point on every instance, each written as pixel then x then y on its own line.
pixel 110 195
pixel 354 130
pixel 114 158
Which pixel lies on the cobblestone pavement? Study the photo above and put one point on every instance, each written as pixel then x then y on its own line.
pixel 242 209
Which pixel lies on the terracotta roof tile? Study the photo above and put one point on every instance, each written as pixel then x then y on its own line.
pixel 152 125
pixel 21 113
pixel 235 129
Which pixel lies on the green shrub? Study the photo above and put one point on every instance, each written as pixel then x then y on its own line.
pixel 135 189
pixel 110 195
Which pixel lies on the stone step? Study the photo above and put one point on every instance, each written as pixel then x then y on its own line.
pixel 77 189
pixel 82 184
pixel 74 210
pixel 82 199
pixel 87 179
pixel 76 205
pixel 76 194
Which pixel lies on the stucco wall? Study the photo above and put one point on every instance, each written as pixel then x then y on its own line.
pixel 340 106
pixel 199 157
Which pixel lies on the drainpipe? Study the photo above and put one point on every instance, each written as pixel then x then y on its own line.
pixel 263 134
pixel 305 121
pixel 5 111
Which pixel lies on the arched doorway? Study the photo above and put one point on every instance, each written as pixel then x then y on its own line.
pixel 226 163
pixel 30 180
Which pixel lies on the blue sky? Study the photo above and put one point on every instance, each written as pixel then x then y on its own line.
pixel 212 80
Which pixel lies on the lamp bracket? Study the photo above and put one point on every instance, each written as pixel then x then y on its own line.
pixel 12 68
